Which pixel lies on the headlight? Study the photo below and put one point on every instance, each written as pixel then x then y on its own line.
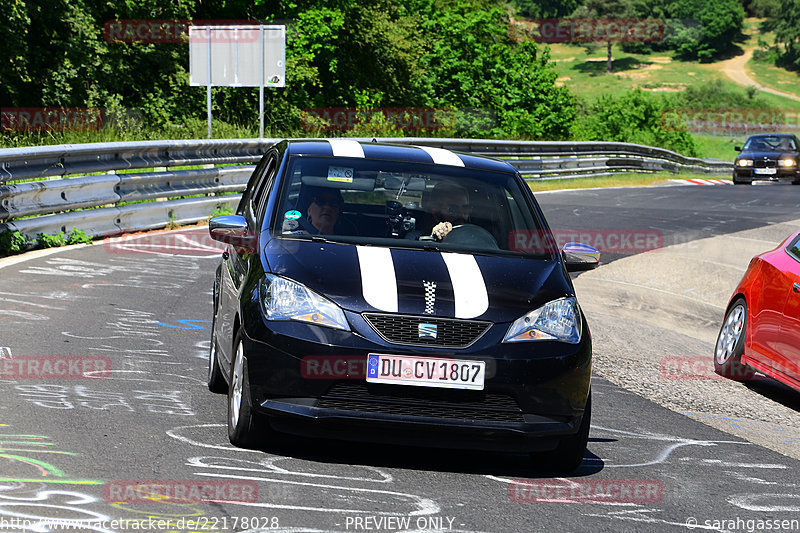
pixel 786 162
pixel 284 299
pixel 745 162
pixel 557 320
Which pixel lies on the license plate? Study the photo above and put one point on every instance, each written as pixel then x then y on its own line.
pixel 425 371
pixel 766 171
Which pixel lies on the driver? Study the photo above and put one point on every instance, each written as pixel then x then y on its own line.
pixel 449 207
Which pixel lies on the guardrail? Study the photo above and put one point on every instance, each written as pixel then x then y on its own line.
pixel 52 189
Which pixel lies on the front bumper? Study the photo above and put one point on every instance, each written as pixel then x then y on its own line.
pixel 310 381
pixel 748 173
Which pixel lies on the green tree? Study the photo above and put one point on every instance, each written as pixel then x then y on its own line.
pixel 636 117
pixel 604 9
pixel 787 32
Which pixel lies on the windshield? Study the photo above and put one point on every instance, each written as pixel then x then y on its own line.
pixel 770 143
pixel 390 203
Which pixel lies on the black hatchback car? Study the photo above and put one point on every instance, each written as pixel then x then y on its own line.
pixel 767 157
pixel 399 294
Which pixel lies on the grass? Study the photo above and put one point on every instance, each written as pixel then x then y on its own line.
pixel 584 73
pixel 633 179
pixel 718 147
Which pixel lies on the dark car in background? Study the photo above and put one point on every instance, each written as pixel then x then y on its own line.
pixel 767 157
pixel 341 311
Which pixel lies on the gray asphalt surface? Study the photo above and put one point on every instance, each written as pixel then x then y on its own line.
pixel 68 444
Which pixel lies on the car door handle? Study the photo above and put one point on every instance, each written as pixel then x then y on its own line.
pixel 796 287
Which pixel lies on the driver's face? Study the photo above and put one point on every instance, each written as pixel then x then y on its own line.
pixel 454 208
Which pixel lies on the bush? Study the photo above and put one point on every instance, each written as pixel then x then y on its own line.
pixel 51 241
pixel 78 236
pixel 635 117
pixel 12 242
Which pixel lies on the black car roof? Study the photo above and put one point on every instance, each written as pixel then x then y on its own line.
pixel 395 152
pixel 772 135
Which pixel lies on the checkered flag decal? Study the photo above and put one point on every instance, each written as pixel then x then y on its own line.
pixel 430 296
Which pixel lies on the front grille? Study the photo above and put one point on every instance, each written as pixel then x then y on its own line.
pixel 404 329
pixel 422 402
pixel 765 163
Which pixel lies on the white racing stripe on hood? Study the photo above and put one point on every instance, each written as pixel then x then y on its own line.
pixel 469 289
pixel 346 148
pixel 378 280
pixel 441 156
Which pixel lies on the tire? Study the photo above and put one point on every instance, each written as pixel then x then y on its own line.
pixel 742 182
pixel 216 380
pixel 570 451
pixel 243 427
pixel 730 344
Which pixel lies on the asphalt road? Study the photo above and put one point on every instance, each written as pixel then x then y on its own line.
pixel 69 446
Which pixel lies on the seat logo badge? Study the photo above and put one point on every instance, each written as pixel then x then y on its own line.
pixel 427 331
pixel 430 296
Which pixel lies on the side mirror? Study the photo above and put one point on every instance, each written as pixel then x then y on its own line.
pixel 233 230
pixel 580 257
pixel 737 148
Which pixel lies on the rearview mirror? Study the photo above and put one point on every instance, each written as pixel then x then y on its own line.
pixel 737 148
pixel 580 257
pixel 233 230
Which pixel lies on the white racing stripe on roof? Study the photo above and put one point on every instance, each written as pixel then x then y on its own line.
pixel 346 148
pixel 378 280
pixel 469 288
pixel 441 156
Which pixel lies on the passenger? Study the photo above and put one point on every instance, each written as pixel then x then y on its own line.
pixel 449 207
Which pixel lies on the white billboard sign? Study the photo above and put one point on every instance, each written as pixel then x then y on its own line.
pixel 237 56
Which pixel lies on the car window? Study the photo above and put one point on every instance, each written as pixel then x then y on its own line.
pixel 770 142
pixel 252 184
pixel 794 248
pixel 391 203
pixel 264 186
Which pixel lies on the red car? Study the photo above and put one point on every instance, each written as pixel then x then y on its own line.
pixel 761 330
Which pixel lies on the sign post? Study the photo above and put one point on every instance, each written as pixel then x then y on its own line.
pixel 237 56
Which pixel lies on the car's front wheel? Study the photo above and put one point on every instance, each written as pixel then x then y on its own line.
pixel 570 451
pixel 730 344
pixel 243 425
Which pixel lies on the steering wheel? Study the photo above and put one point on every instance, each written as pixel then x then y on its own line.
pixel 471 234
